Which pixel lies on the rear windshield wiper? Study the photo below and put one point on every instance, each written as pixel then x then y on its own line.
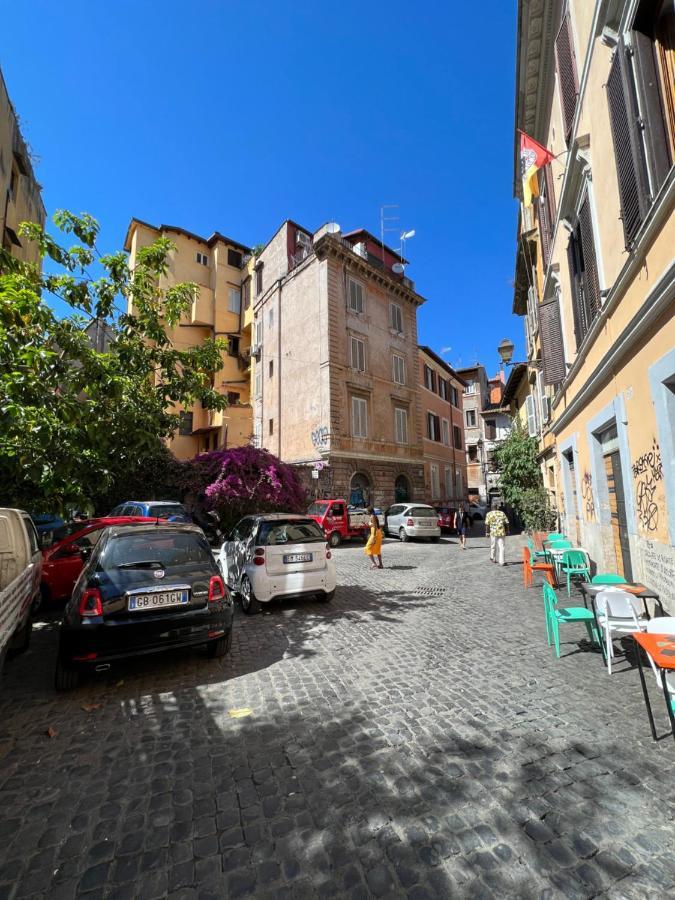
pixel 140 564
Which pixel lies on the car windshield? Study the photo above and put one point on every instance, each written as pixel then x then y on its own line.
pixel 421 512
pixel 443 510
pixel 161 549
pixel 64 531
pixel 290 532
pixel 317 509
pixel 164 510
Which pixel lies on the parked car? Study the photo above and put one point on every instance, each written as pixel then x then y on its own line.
pixel 339 522
pixel 277 555
pixel 412 520
pixel 144 589
pixel 64 560
pixel 446 517
pixel 20 567
pixel 477 511
pixel 156 509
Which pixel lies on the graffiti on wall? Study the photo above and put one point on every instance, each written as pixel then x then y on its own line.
pixel 587 494
pixel 647 472
pixel 320 437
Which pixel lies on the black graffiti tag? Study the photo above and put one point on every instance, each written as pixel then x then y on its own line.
pixel 587 494
pixel 647 472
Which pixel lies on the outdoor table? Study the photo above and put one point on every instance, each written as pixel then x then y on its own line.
pixel 661 648
pixel 556 557
pixel 639 590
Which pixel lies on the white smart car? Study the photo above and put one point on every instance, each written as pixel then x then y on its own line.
pixel 276 555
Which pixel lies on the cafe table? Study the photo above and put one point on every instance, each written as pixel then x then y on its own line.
pixel 661 648
pixel 639 590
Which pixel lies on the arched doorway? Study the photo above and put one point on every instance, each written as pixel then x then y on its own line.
pixel 401 489
pixel 359 490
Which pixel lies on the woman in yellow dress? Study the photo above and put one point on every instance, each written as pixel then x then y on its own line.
pixel 373 548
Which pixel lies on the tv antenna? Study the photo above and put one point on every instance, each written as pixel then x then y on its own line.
pixel 405 236
pixel 387 221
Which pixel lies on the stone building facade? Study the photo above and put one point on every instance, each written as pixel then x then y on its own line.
pixel 334 343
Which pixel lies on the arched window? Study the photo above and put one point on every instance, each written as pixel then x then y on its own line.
pixel 401 489
pixel 359 490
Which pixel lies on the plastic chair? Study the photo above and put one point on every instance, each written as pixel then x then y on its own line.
pixel 534 553
pixel 530 565
pixel 574 564
pixel 608 578
pixel 555 536
pixel 617 613
pixel 555 616
pixel 664 625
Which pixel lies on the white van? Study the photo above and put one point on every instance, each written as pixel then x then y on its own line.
pixel 20 573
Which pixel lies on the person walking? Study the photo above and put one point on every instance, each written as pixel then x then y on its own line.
pixel 496 526
pixel 462 524
pixel 373 547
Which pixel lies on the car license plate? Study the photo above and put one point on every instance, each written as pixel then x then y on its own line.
pixel 157 600
pixel 297 557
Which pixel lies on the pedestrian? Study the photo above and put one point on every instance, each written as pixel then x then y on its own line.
pixel 496 526
pixel 373 548
pixel 462 524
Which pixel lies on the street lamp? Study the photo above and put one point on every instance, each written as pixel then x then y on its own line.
pixel 505 350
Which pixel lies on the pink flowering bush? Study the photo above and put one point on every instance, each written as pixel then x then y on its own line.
pixel 244 480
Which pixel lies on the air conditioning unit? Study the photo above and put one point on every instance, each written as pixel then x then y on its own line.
pixel 256 351
pixel 303 240
pixel 360 250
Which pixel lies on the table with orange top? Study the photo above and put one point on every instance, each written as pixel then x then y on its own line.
pixel 661 648
pixel 641 591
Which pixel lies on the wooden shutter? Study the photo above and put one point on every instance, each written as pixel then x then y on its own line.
pixel 567 73
pixel 665 46
pixel 631 166
pixel 531 416
pixel 552 347
pixel 575 281
pixel 655 134
pixel 591 284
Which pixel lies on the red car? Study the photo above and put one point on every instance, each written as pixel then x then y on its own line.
pixel 446 517
pixel 63 561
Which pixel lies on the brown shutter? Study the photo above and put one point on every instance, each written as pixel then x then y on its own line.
pixel 631 166
pixel 567 73
pixel 575 281
pixel 655 135
pixel 545 221
pixel 552 347
pixel 591 284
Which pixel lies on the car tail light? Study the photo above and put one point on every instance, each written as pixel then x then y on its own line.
pixel 216 588
pixel 259 556
pixel 328 554
pixel 410 523
pixel 90 604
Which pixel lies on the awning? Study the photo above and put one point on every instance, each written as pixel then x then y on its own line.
pixel 206 430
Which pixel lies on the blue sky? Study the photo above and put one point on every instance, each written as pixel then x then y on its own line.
pixel 234 116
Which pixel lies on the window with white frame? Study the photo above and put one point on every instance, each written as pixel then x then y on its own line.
pixel 399 369
pixel 234 304
pixel 470 418
pixel 435 483
pixel 357 354
pixel 258 333
pixel 460 486
pixel 448 481
pixel 445 432
pixel 442 388
pixel 531 410
pixel 401 425
pixel 355 296
pixel 470 387
pixel 270 317
pixel 359 417
pixel 396 318
pixel 202 259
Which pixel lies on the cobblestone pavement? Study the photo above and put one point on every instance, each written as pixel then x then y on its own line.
pixel 416 738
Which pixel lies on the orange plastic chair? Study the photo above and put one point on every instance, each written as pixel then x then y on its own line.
pixel 529 567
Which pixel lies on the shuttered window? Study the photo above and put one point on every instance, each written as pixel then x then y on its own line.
pixel 583 265
pixel 359 417
pixel 357 355
pixel 568 81
pixel 546 212
pixel 552 347
pixel 401 425
pixel 355 296
pixel 631 167
pixel 435 485
pixel 433 427
pixel 531 411
pixel 655 131
pixel 396 318
pixel 399 369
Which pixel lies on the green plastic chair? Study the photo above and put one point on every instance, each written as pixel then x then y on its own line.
pixel 534 553
pixel 555 536
pixel 560 544
pixel 608 578
pixel 574 564
pixel 555 616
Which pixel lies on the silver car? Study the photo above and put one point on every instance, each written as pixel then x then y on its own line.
pixel 412 520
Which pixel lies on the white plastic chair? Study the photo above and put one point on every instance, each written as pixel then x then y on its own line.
pixel 664 625
pixel 618 612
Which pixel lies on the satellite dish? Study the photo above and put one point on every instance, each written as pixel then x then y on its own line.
pixel 332 228
pixel 399 268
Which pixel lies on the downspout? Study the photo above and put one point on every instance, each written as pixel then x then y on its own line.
pixel 279 373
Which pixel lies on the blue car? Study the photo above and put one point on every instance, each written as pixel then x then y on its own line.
pixel 47 522
pixel 160 509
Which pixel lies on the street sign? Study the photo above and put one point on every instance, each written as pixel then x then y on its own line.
pixel 318 466
pixel 315 473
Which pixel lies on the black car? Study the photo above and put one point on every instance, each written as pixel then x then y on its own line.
pixel 145 588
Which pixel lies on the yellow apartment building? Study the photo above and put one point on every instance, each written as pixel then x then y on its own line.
pixel 595 271
pixel 20 194
pixel 221 269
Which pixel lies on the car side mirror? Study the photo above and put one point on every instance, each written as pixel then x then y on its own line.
pixel 71 550
pixel 85 552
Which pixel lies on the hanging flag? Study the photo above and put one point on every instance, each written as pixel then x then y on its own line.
pixel 532 158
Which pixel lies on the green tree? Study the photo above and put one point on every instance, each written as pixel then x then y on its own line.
pixel 520 478
pixel 75 422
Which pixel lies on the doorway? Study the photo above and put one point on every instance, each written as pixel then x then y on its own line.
pixel 401 489
pixel 617 503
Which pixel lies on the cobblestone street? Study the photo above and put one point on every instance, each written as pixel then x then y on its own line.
pixel 416 738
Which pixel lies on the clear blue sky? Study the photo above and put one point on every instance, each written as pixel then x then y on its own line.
pixel 234 116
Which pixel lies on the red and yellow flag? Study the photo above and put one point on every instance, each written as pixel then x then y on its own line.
pixel 532 158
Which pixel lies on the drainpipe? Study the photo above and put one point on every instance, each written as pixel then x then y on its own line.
pixel 279 372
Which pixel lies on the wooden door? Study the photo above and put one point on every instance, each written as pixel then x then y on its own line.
pixel 617 509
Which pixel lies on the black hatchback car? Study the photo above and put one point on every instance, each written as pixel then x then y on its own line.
pixel 145 588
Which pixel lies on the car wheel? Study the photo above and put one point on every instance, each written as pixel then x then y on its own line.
pixel 326 597
pixel 65 678
pixel 220 647
pixel 334 539
pixel 403 535
pixel 249 602
pixel 21 640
